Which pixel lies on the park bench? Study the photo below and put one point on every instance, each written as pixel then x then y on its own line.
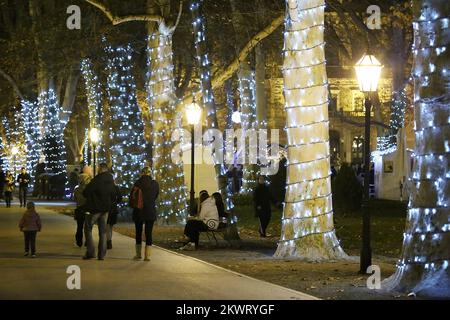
pixel 226 230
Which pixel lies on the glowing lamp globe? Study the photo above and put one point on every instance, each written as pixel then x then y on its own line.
pixel 236 117
pixel 14 150
pixel 368 72
pixel 94 134
pixel 193 113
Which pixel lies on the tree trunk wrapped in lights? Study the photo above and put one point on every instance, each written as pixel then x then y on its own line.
pixel 30 116
pixel 204 67
pixel 307 225
pixel 94 101
pixel 424 265
pixel 172 204
pixel 127 128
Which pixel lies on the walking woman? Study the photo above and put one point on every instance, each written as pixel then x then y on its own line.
pixel 9 188
pixel 262 198
pixel 80 211
pixel 143 201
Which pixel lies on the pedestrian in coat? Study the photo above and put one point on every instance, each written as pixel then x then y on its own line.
pixel 30 225
pixel 99 194
pixel 80 211
pixel 23 179
pixel 2 182
pixel 207 219
pixel 112 216
pixel 9 188
pixel 146 216
pixel 262 198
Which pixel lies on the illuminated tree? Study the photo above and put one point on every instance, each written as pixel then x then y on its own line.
pixel 307 225
pixel 127 128
pixel 424 265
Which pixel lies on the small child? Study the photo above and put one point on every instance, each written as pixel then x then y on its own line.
pixel 30 224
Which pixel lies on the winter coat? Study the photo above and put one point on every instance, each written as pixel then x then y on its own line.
pixel 23 179
pixel 262 197
pixel 78 196
pixel 100 193
pixel 209 214
pixel 9 183
pixel 30 221
pixel 112 217
pixel 150 191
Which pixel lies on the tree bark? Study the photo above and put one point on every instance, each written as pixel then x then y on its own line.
pixel 424 265
pixel 307 226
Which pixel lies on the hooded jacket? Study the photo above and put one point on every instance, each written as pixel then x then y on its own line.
pixel 30 221
pixel 100 193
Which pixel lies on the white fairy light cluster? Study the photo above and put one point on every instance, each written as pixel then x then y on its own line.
pixel 307 224
pixel 30 117
pixel 86 147
pixel 204 70
pixel 94 100
pixel 14 134
pixel 247 94
pixel 127 129
pixel 54 123
pixel 426 252
pixel 161 97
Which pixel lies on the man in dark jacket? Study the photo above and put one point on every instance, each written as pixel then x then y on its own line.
pixel 147 215
pixel 23 179
pixel 262 198
pixel 99 194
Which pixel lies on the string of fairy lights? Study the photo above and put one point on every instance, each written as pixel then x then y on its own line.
pixel 428 227
pixel 94 102
pixel 30 116
pixel 204 70
pixel 127 129
pixel 307 223
pixel 172 205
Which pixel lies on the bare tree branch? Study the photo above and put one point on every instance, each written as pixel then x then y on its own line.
pixel 228 72
pixel 12 82
pixel 118 20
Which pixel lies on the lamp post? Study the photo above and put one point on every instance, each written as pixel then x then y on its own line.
pixel 193 114
pixel 14 152
pixel 94 135
pixel 368 72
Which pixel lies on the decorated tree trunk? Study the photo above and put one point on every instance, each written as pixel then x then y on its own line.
pixel 127 129
pixel 424 265
pixel 307 225
pixel 30 116
pixel 172 206
pixel 204 67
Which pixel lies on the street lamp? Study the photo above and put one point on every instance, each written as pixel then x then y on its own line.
pixel 368 72
pixel 14 152
pixel 193 115
pixel 94 135
pixel 236 117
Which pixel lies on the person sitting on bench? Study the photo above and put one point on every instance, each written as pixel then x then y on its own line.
pixel 208 219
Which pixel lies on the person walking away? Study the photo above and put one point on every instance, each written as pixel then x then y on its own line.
pixel 208 219
pixel 262 198
pixel 30 225
pixel 74 180
pixel 143 201
pixel 112 216
pixel 23 179
pixel 99 194
pixel 2 183
pixel 9 188
pixel 80 211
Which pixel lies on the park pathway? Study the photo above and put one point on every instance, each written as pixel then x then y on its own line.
pixel 167 276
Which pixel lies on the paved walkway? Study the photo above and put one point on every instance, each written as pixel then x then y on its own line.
pixel 167 276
